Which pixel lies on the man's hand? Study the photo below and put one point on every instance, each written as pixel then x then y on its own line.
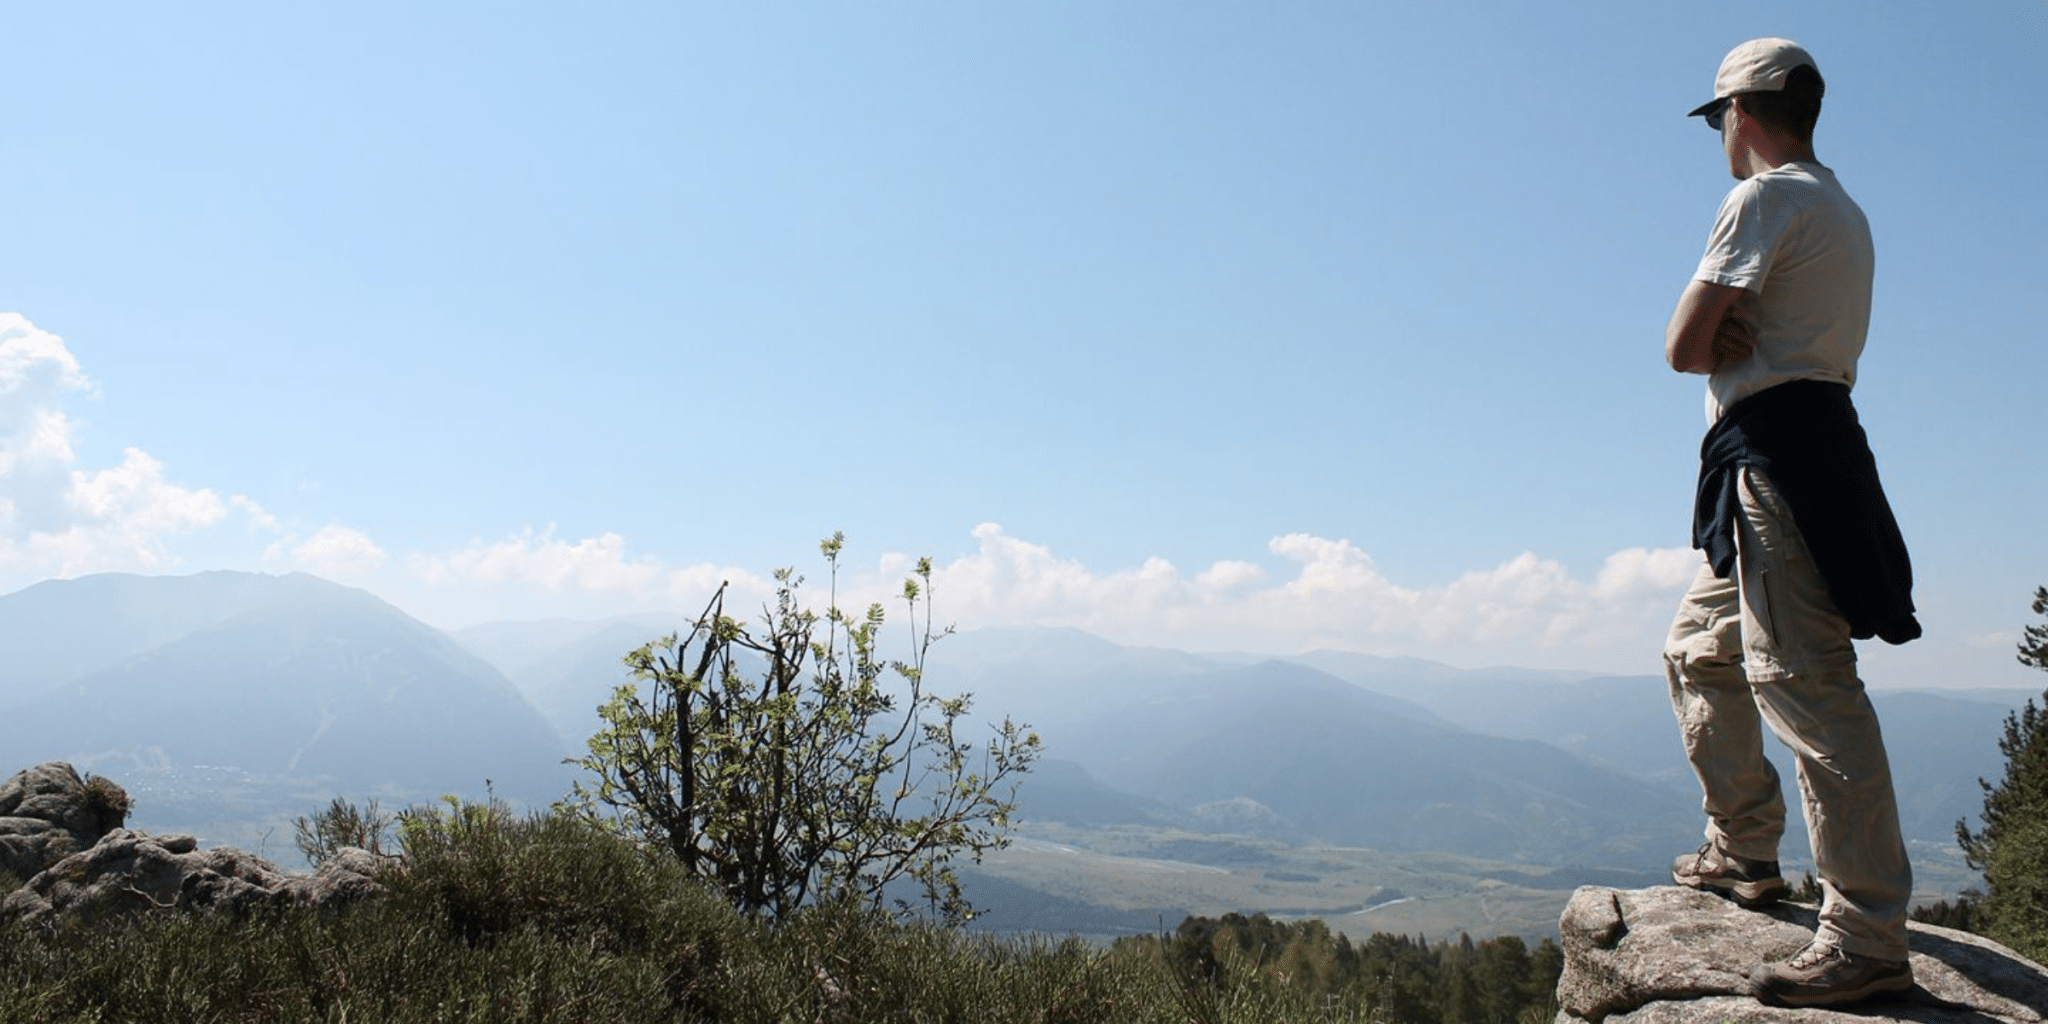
pixel 1734 340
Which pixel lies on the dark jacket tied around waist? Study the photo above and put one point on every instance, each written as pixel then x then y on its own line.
pixel 1804 436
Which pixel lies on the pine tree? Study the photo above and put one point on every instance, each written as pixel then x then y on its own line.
pixel 2012 846
pixel 2034 646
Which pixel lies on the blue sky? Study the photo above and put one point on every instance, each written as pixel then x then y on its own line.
pixel 1217 325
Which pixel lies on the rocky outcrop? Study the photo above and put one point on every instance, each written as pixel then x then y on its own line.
pixel 49 812
pixel 1675 956
pixel 62 834
pixel 128 872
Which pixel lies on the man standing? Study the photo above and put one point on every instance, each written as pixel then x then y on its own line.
pixel 1802 552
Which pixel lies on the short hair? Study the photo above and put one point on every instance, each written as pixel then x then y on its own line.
pixel 1792 110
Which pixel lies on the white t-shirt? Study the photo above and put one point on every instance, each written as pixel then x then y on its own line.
pixel 1800 247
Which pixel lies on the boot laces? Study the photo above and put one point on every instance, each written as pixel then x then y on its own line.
pixel 1812 956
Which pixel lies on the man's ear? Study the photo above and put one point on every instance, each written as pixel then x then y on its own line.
pixel 1745 126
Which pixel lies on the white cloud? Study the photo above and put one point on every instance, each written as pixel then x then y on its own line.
pixel 34 365
pixel 258 518
pixel 136 497
pixel 1997 638
pixel 1527 610
pixel 539 574
pixel 544 560
pixel 57 519
pixel 36 373
pixel 338 551
pixel 115 519
pixel 1642 570
pixel 1227 576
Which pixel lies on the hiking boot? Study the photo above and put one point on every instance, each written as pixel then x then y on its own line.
pixel 1822 975
pixel 1751 883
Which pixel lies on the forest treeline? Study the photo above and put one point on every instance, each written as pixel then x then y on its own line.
pixel 1384 977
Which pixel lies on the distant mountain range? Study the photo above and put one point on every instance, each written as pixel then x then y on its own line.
pixel 567 680
pixel 296 677
pixel 1940 741
pixel 1283 750
pixel 1395 753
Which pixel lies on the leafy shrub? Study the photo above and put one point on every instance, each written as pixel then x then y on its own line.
pixel 491 872
pixel 491 916
pixel 342 824
pixel 830 771
pixel 108 802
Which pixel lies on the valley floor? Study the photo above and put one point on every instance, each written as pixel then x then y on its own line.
pixel 1104 882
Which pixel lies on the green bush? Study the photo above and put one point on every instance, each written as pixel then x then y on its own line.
pixel 108 802
pixel 491 917
pixel 790 763
pixel 342 824
pixel 489 872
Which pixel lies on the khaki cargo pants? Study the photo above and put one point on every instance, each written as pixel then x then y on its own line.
pixel 1770 644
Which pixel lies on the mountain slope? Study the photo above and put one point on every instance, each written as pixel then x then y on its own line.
pixel 1341 765
pixel 313 679
pixel 59 630
pixel 1940 742
pixel 518 648
pixel 1059 678
pixel 568 686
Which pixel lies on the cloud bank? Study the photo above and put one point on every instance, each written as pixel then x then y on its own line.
pixel 1316 593
pixel 1330 594
pixel 55 517
pixel 537 575
pixel 60 519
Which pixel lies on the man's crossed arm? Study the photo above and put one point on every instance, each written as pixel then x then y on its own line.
pixel 1703 335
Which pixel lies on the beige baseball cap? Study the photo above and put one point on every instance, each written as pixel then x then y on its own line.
pixel 1759 65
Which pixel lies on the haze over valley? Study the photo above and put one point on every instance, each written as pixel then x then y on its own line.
pixel 1386 794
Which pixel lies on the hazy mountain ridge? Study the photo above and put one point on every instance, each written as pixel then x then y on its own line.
pixel 524 649
pixel 568 685
pixel 300 678
pixel 1940 741
pixel 1340 765
pixel 58 630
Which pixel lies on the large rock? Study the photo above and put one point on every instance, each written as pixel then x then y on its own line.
pixel 61 836
pixel 129 872
pixel 1675 956
pixel 49 812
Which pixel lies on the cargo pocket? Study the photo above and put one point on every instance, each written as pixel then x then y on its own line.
pixel 1766 612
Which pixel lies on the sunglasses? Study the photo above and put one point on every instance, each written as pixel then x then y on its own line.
pixel 1714 116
